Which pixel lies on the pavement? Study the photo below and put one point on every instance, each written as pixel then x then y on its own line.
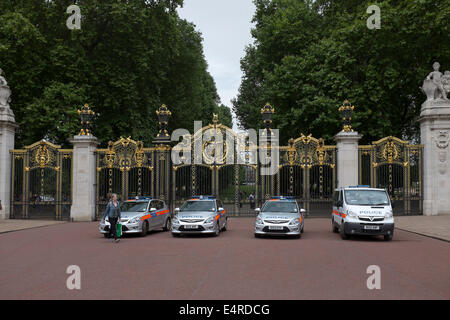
pixel 432 226
pixel 234 265
pixel 8 225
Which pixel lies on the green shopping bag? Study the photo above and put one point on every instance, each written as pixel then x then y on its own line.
pixel 119 229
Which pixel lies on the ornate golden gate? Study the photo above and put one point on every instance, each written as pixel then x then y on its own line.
pixel 308 173
pixel 41 182
pixel 233 181
pixel 395 165
pixel 124 168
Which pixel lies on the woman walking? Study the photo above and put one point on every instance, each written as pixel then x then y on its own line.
pixel 113 214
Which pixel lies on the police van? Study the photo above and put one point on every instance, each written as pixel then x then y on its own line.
pixel 200 215
pixel 361 210
pixel 280 216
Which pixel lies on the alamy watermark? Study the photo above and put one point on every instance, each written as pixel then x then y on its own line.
pixel 374 21
pixel 74 20
pixel 215 147
pixel 374 280
pixel 73 282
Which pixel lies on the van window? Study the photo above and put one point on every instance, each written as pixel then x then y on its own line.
pixel 366 197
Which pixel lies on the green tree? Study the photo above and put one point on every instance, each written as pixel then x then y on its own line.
pixel 309 56
pixel 128 59
pixel 224 114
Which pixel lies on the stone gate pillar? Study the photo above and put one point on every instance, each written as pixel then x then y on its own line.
pixel 8 126
pixel 347 158
pixel 347 149
pixel 84 169
pixel 435 136
pixel 83 178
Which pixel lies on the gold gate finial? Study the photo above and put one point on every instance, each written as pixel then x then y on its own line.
pixel 87 116
pixel 346 111
pixel 215 119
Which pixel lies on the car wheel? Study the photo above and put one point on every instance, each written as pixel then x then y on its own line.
pixel 388 237
pixel 344 236
pixel 144 229
pixel 176 235
pixel 225 225
pixel 168 225
pixel 217 231
pixel 334 227
pixel 105 235
pixel 303 229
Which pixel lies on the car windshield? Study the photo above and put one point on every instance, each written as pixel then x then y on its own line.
pixel 280 206
pixel 130 206
pixel 197 205
pixel 366 197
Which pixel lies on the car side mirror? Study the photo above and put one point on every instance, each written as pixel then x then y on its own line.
pixel 220 209
pixel 258 209
pixel 302 210
pixel 152 209
pixel 177 210
pixel 339 203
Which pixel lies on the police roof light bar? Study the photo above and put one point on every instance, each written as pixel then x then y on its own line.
pixel 140 198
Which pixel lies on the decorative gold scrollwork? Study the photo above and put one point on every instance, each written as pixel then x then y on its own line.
pixel 42 156
pixel 320 151
pixel 390 151
pixel 110 155
pixel 140 155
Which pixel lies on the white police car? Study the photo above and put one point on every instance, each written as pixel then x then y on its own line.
pixel 361 210
pixel 140 215
pixel 280 216
pixel 201 215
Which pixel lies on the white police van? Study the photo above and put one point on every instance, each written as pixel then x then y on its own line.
pixel 361 210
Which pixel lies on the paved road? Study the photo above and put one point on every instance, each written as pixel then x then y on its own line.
pixel 232 266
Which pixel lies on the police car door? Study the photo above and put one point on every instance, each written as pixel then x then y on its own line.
pixel 153 220
pixel 220 213
pixel 160 213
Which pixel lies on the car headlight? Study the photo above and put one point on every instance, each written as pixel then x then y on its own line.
pixel 134 220
pixel 352 214
pixel 209 220
pixel 294 222
pixel 259 220
pixel 389 214
pixel 175 220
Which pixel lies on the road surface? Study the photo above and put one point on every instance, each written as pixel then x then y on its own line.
pixel 233 266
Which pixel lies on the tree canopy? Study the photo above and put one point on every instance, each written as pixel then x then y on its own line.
pixel 309 56
pixel 128 58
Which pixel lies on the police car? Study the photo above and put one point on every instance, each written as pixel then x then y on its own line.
pixel 140 215
pixel 280 216
pixel 201 215
pixel 361 210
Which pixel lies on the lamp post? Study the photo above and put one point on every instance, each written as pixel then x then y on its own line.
pixel 87 116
